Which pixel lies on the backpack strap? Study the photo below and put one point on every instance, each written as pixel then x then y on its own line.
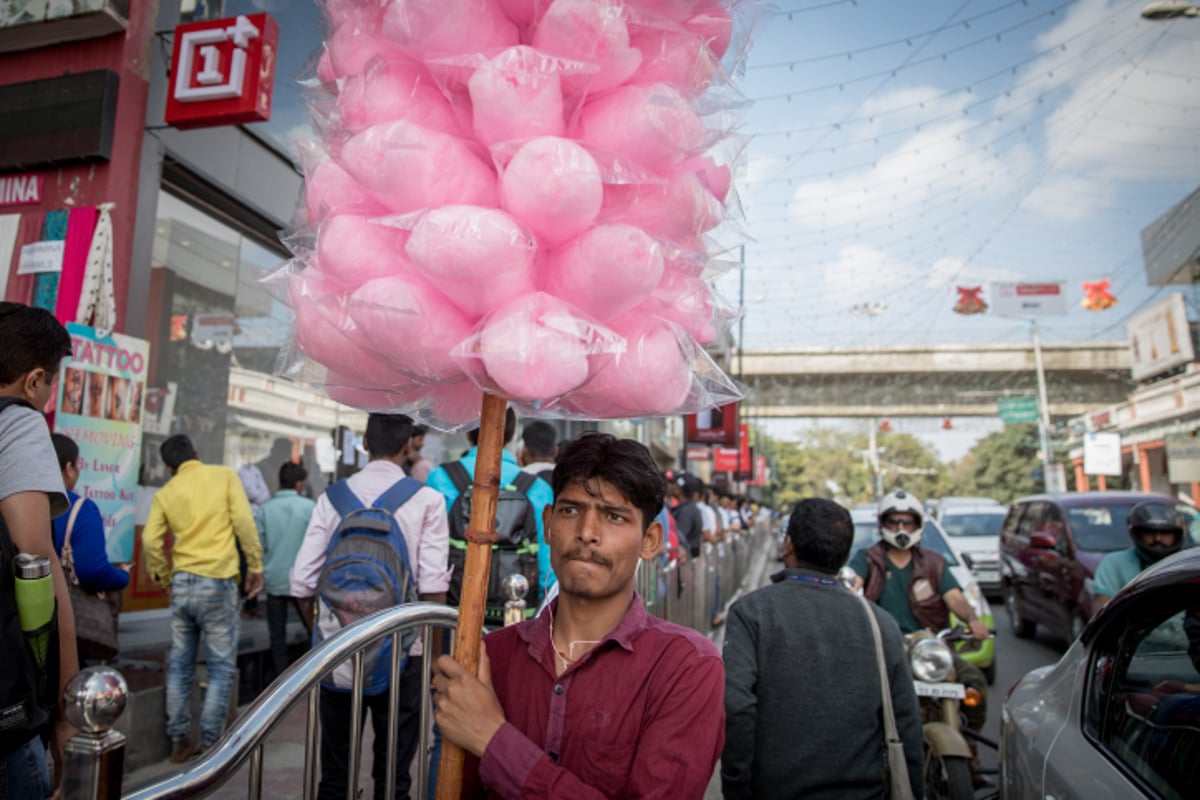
pixel 399 494
pixel 5 402
pixel 344 500
pixel 458 475
pixel 524 482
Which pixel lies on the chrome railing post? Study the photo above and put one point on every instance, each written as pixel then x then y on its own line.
pixel 94 758
pixel 356 710
pixel 256 768
pixel 310 742
pixel 393 712
pixel 423 748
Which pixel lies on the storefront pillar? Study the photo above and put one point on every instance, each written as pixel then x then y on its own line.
pixel 1102 483
pixel 1081 479
pixel 1144 468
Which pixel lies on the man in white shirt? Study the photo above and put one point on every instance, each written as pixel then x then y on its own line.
pixel 423 520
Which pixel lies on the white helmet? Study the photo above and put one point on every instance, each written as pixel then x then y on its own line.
pixel 904 503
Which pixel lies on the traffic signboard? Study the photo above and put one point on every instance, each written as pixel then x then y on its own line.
pixel 1018 409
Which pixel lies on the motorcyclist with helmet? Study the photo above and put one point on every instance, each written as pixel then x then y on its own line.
pixel 1157 531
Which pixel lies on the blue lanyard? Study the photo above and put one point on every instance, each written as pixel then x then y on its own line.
pixel 811 579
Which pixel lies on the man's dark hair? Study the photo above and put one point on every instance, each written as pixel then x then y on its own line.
pixel 822 533
pixel 420 430
pixel 30 338
pixel 387 434
pixel 176 450
pixel 510 429
pixel 624 463
pixel 539 438
pixel 689 484
pixel 290 474
pixel 65 448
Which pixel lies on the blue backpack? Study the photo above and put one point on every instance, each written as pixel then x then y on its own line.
pixel 367 569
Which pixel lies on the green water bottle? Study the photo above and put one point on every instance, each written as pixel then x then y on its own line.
pixel 35 602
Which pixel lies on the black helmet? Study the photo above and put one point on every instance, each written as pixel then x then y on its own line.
pixel 1155 515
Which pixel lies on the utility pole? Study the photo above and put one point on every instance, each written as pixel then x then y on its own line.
pixel 1049 482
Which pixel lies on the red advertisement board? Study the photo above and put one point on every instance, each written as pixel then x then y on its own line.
pixel 738 460
pixel 222 71
pixel 715 426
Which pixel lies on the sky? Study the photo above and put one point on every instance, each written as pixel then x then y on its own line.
pixel 900 150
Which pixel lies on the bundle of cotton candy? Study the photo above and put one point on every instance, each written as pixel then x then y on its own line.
pixel 517 197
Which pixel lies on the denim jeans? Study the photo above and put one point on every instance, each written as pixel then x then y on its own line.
pixel 209 606
pixel 23 772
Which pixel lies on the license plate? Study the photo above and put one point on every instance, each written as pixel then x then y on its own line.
pixel 942 691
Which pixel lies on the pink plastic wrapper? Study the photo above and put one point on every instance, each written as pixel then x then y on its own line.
pixel 329 189
pixel 516 95
pixel 448 26
pixel 594 31
pixel 652 376
pixel 354 250
pixel 605 271
pixel 553 186
pixel 653 126
pixel 679 209
pixel 401 90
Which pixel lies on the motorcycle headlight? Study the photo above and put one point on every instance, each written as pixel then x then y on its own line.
pixel 931 660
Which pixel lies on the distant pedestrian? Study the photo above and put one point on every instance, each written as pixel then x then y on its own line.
pixel 415 464
pixel 281 522
pixel 539 449
pixel 206 509
pixel 803 706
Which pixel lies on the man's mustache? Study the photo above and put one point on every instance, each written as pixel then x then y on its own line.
pixel 592 556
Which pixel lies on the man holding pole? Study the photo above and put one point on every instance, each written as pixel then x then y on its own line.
pixel 594 697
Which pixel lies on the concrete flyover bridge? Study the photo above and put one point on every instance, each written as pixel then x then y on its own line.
pixel 931 381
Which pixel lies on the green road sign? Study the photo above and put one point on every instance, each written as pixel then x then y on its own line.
pixel 1018 409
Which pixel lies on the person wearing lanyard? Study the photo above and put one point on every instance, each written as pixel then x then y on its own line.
pixel 803 711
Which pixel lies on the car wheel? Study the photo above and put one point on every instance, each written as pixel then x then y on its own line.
pixel 989 672
pixel 947 778
pixel 1021 627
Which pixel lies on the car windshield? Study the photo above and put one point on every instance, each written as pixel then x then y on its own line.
pixel 972 524
pixel 1100 527
pixel 867 534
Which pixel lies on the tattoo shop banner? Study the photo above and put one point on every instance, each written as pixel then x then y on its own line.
pixel 100 405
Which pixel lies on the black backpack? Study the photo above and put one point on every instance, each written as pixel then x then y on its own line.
pixel 26 692
pixel 515 550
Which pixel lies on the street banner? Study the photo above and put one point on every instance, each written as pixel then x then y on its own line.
pixel 100 405
pixel 1102 454
pixel 713 426
pixel 1029 299
pixel 1183 458
pixel 1160 338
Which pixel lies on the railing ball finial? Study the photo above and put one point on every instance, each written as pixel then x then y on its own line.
pixel 95 698
pixel 516 586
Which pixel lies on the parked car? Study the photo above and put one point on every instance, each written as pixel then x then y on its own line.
pixel 981 654
pixel 1119 715
pixel 974 530
pixel 1050 546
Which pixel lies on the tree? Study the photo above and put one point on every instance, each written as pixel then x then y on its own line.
pixel 1000 465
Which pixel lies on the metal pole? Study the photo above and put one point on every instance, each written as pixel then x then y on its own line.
pixel 741 351
pixel 873 449
pixel 1043 409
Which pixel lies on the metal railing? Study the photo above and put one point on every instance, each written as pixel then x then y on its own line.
pixel 688 593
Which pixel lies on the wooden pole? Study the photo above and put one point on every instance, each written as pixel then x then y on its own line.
pixel 469 641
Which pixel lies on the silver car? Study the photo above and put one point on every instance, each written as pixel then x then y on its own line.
pixel 1119 715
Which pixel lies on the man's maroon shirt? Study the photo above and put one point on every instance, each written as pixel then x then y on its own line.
pixel 642 715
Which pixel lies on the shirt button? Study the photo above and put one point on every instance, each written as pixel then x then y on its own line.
pixel 558 688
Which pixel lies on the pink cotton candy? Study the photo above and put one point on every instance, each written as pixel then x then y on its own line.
pixel 325 334
pixel 410 325
pixel 480 258
pixel 380 395
pixel 676 57
pixel 356 43
pixel 712 22
pixel 652 377
pixel 553 186
pixel 516 95
pixel 688 302
pixel 523 12
pixel 448 26
pixel 409 167
pixel 534 348
pixel 679 209
pixel 605 271
pixel 455 403
pixel 593 31
pixel 354 250
pixel 650 125
pixel 329 189
pixel 401 90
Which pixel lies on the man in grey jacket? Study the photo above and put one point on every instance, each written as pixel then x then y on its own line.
pixel 803 712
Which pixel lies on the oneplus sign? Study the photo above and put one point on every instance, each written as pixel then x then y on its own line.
pixel 222 72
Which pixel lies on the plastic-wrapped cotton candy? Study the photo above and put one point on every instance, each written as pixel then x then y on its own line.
pixel 653 376
pixel 678 209
pixel 448 26
pixel 356 43
pixel 677 57
pixel 553 186
pixel 535 324
pixel 329 189
pixel 326 335
pixel 688 302
pixel 388 92
pixel 409 167
pixel 411 325
pixel 712 22
pixel 523 12
pixel 348 389
pixel 593 31
pixel 606 270
pixel 455 403
pixel 353 249
pixel 652 126
pixel 480 258
pixel 516 95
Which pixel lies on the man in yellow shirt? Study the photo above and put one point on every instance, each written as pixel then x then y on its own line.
pixel 205 507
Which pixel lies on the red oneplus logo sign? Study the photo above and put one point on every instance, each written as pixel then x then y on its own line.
pixel 1034 289
pixel 223 72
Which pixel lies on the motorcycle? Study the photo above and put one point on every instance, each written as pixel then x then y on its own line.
pixel 945 702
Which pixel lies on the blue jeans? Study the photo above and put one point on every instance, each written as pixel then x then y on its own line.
pixel 23 772
pixel 209 606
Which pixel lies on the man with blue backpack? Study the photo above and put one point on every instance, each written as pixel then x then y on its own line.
pixel 376 539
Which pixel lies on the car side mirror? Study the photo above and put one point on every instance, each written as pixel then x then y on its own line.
pixel 1042 540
